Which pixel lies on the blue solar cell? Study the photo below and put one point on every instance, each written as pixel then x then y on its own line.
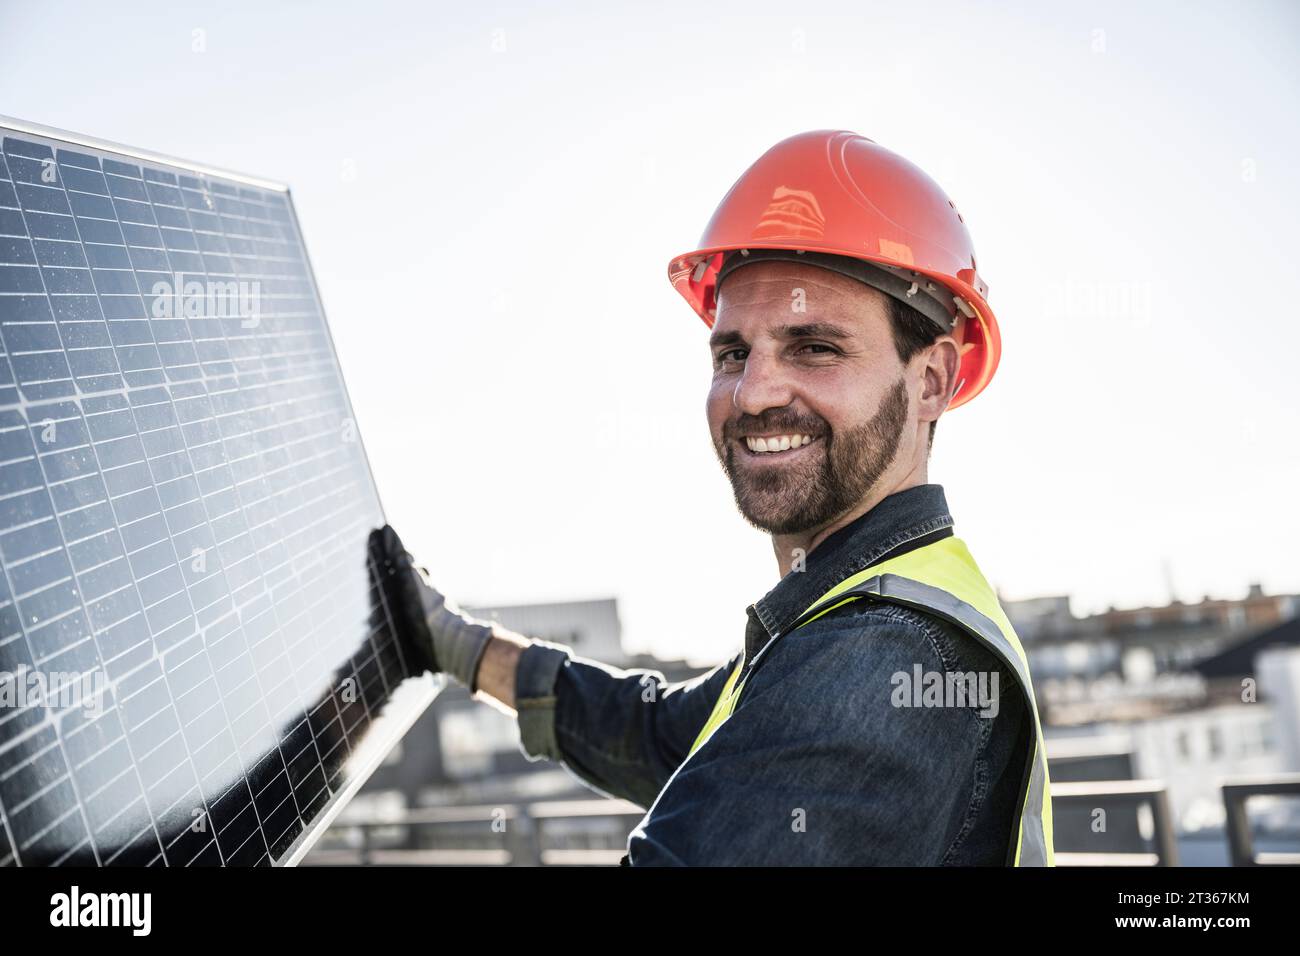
pixel 195 666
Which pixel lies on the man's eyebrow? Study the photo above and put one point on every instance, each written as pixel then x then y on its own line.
pixel 803 330
pixel 730 337
pixel 817 330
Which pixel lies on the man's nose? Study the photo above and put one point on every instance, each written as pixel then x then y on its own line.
pixel 764 384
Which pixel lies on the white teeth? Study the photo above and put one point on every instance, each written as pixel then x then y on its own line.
pixel 777 443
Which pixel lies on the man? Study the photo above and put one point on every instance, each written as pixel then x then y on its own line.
pixel 880 710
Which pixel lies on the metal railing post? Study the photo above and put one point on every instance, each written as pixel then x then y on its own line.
pixel 1241 845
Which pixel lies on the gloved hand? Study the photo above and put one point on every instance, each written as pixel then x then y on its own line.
pixel 444 638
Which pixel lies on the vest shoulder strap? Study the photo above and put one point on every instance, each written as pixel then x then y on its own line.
pixel 940 578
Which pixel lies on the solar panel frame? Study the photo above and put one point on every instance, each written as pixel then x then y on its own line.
pixel 407 700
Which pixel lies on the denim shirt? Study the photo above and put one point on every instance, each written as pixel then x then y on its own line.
pixel 817 765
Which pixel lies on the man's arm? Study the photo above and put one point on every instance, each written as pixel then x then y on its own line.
pixel 496 669
pixel 623 732
pixel 817 766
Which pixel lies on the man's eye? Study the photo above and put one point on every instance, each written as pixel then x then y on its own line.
pixel 722 356
pixel 818 345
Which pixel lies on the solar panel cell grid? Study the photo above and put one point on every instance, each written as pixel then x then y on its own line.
pixel 192 656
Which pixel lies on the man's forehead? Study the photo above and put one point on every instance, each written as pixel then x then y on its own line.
pixel 779 297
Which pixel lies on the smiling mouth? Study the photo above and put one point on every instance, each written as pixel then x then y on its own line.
pixel 776 447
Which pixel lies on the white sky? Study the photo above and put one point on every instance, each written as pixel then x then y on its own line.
pixel 490 196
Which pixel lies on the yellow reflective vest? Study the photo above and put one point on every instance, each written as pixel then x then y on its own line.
pixel 940 578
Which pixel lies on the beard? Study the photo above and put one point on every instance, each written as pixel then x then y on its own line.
pixel 840 472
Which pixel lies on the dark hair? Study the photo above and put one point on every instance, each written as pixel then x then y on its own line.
pixel 912 332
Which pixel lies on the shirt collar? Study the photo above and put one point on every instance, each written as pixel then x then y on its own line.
pixel 897 519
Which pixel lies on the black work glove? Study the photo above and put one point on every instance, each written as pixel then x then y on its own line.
pixel 444 638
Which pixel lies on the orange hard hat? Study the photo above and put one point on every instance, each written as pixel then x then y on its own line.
pixel 835 193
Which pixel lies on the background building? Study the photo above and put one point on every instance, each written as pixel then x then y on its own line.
pixel 1186 696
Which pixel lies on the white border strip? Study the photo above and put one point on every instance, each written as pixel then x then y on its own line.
pixel 79 139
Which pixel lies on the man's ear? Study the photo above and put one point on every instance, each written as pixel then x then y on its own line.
pixel 938 377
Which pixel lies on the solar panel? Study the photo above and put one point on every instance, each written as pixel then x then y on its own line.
pixel 195 667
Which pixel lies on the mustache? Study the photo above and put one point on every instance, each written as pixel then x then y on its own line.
pixel 776 423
